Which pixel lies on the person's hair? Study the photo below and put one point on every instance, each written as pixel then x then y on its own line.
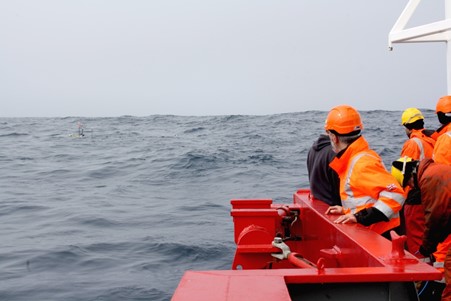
pixel 351 134
pixel 347 138
pixel 417 125
pixel 443 119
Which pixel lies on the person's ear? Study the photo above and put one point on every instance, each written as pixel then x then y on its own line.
pixel 333 138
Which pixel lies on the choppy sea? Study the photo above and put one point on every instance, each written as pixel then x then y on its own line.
pixel 122 212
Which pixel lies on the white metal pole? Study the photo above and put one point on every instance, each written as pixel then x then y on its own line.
pixel 439 31
pixel 448 48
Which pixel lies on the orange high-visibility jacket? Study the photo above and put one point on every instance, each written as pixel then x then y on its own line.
pixel 364 183
pixel 419 146
pixel 442 149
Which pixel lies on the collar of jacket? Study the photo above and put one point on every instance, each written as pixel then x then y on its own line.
pixel 421 135
pixel 339 164
pixel 417 133
pixel 441 130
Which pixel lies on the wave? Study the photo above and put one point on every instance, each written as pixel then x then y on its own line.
pixel 132 293
pixel 9 209
pixel 200 162
pixel 194 130
pixel 195 254
pixel 12 135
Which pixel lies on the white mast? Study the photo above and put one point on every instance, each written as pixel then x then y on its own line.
pixel 433 32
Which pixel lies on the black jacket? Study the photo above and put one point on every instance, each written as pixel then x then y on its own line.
pixel 324 182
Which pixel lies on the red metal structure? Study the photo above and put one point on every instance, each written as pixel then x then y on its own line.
pixel 296 252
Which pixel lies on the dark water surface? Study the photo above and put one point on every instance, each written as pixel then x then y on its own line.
pixel 122 212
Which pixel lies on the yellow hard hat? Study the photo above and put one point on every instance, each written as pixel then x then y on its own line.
pixel 411 115
pixel 402 169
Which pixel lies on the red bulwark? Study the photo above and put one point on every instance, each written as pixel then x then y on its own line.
pixel 318 253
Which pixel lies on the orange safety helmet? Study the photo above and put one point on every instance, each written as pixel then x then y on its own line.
pixel 344 120
pixel 444 105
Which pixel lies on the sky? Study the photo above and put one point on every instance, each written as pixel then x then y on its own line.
pixel 105 58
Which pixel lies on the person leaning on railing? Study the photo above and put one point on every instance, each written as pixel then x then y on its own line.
pixel 370 195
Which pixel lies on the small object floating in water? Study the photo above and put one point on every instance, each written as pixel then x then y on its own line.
pixel 80 133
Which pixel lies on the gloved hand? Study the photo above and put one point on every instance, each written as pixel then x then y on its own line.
pixel 426 260
pixel 424 252
pixel 428 257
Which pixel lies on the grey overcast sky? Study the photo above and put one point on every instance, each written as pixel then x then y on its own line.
pixel 212 57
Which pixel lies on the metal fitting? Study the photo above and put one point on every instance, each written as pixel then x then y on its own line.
pixel 278 243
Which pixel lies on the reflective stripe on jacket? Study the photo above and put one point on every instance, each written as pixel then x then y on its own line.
pixel 364 183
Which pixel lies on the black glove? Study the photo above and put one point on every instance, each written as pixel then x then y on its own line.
pixel 369 216
pixel 426 254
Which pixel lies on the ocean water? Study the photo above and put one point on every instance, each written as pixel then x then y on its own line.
pixel 123 212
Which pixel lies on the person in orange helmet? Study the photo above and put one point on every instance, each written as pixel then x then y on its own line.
pixel 418 146
pixel 433 181
pixel 442 149
pixel 370 195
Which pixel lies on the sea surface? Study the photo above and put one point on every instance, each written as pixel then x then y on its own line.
pixel 123 212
